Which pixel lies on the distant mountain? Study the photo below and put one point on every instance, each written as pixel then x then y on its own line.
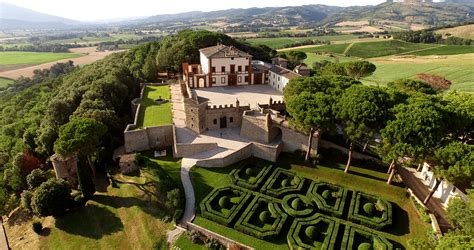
pixel 15 17
pixel 426 13
pixel 436 14
pixel 292 15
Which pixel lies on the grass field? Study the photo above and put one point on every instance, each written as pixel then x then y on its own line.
pixel 17 57
pixel 367 179
pixel 151 113
pixel 184 243
pixel 459 69
pixel 446 50
pixel 385 48
pixel 312 58
pixel 129 216
pixel 5 82
pixel 332 48
pixel 280 42
pixel 465 31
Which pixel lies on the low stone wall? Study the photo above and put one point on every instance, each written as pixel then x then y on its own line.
pixel 228 243
pixel 183 150
pixel 267 152
pixel 230 159
pixel 147 138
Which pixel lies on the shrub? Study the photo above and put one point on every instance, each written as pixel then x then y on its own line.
pixel 37 227
pixel 53 197
pixel 249 176
pixel 195 237
pixel 224 202
pixel 227 217
pixel 305 232
pixel 249 171
pixel 364 246
pixel 329 198
pixel 310 232
pixel 36 178
pixel 213 244
pixel 274 185
pixel 297 204
pixel 264 216
pixel 369 208
pixel 326 194
pixel 178 214
pixel 25 200
pixel 174 199
pixel 140 159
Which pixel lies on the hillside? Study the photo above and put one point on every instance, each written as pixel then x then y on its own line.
pixel 429 14
pixel 15 17
pixel 464 31
pixel 293 15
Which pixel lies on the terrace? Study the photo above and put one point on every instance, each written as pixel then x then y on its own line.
pixel 153 113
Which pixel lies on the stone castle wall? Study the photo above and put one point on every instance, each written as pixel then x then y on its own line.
pixel 254 128
pixel 147 138
pixel 66 168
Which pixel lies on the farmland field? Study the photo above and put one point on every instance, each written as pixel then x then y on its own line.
pixel 459 69
pixel 312 58
pixel 465 31
pixel 446 50
pixel 281 42
pixel 332 48
pixel 385 48
pixel 19 57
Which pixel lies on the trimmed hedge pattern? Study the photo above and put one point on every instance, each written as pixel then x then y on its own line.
pixel 315 232
pixel 211 207
pixel 329 198
pixel 370 211
pixel 282 182
pixel 354 237
pixel 251 222
pixel 242 178
pixel 310 213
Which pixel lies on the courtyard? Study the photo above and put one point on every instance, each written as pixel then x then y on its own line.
pixel 152 113
pixel 247 95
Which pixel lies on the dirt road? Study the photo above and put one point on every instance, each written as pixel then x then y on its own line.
pixel 91 55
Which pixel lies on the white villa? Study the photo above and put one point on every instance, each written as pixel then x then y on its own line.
pixel 223 65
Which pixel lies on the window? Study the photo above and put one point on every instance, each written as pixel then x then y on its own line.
pixel 222 80
pixel 239 79
pixel 194 70
pixel 239 68
pixel 223 69
pixel 278 78
pixel 247 68
pixel 213 80
pixel 231 119
pixel 214 121
pixel 246 79
pixel 231 58
pixel 213 70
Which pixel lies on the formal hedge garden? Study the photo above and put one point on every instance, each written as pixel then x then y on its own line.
pixel 270 203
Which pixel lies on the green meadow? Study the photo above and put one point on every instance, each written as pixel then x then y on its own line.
pixel 20 57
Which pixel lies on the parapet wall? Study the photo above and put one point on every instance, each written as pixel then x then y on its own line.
pixel 147 138
pixel 228 160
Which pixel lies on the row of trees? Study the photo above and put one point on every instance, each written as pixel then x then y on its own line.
pixel 426 36
pixel 413 127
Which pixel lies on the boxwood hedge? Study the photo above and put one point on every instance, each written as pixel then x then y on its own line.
pixel 250 176
pixel 370 210
pixel 282 182
pixel 315 232
pixel 329 198
pixel 360 238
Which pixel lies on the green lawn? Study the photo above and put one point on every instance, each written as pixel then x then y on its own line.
pixel 151 113
pixel 312 58
pixel 407 224
pixel 385 48
pixel 447 50
pixel 19 57
pixel 281 42
pixel 332 48
pixel 129 216
pixel 184 243
pixel 459 69
pixel 5 82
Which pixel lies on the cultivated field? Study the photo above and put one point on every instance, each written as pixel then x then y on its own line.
pixel 385 48
pixel 89 55
pixel 466 31
pixel 20 57
pixel 459 69
pixel 281 42
pixel 446 50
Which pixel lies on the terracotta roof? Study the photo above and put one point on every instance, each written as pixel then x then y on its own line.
pixel 288 74
pixel 220 51
pixel 302 67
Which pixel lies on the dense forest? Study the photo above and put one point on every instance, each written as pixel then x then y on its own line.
pixel 34 111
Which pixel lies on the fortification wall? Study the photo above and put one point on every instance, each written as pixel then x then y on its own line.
pixel 254 128
pixel 190 149
pixel 267 152
pixel 147 138
pixel 228 160
pixel 233 116
pixel 66 168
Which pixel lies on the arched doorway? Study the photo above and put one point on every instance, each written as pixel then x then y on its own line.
pixel 202 83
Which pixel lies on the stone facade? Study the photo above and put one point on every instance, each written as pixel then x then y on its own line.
pixel 147 138
pixel 66 168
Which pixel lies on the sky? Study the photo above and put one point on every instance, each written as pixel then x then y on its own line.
pixel 89 10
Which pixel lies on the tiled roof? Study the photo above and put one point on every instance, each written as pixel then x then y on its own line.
pixel 220 51
pixel 288 74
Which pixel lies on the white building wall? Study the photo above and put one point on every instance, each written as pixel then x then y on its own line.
pixel 204 63
pixel 276 81
pixel 445 190
pixel 226 62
